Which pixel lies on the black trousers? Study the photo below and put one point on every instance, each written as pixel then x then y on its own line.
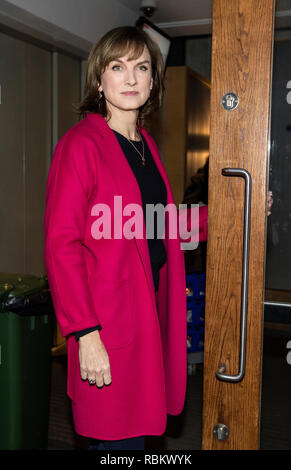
pixel 132 443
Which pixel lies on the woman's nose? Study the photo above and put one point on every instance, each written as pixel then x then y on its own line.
pixel 130 77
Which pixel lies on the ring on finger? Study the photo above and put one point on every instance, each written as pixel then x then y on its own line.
pixel 91 381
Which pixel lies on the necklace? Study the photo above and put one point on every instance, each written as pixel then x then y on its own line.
pixel 142 155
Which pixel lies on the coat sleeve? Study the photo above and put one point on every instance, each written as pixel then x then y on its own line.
pixel 70 184
pixel 81 333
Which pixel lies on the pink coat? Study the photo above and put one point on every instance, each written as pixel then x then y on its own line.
pixel 109 281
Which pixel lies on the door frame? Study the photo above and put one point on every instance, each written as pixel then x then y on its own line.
pixel 242 51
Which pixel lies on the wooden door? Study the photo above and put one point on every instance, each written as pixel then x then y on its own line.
pixel 239 139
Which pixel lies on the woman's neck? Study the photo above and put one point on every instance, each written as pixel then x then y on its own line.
pixel 125 125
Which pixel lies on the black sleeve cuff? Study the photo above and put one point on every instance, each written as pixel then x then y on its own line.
pixel 80 333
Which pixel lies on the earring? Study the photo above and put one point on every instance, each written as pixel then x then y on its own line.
pixel 99 95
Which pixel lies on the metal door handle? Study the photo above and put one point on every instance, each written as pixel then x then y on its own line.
pixel 244 291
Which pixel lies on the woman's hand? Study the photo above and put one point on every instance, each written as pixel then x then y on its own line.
pixel 94 360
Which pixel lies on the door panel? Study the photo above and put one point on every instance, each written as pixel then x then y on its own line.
pixel 239 138
pixel 25 132
pixel 69 89
pixel 37 151
pixel 12 116
pixel 276 376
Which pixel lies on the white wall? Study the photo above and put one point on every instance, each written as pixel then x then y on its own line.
pixel 87 19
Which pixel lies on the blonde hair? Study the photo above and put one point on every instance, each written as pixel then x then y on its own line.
pixel 115 44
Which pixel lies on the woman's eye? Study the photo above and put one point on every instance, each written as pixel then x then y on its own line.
pixel 141 67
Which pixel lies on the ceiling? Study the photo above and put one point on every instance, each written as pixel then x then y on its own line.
pixel 193 17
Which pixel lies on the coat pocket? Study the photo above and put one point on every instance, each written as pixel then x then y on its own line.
pixel 114 307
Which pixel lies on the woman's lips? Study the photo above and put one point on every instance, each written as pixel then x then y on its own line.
pixel 130 93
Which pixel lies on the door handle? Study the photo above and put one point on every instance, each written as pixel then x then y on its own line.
pixel 220 374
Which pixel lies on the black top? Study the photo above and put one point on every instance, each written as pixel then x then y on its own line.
pixel 153 191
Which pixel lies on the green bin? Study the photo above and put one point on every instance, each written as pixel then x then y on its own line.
pixel 26 334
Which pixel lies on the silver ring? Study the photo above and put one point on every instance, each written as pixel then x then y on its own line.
pixel 92 381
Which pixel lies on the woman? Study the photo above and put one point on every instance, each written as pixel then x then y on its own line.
pixel 120 301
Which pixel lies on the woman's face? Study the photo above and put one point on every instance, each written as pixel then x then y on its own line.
pixel 127 84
